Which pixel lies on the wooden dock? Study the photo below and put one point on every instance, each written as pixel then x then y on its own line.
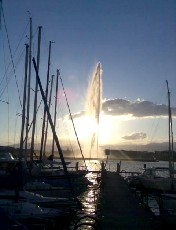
pixel 120 208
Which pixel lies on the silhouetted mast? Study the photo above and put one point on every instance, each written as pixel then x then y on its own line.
pixel 35 97
pixel 53 130
pixel 46 95
pixel 24 102
pixel 46 131
pixel 171 165
pixel 55 112
pixel 29 88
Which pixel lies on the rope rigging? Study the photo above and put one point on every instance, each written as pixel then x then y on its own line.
pixel 72 122
pixel 11 56
pixel 20 57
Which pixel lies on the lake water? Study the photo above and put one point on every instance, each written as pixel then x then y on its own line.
pixel 111 165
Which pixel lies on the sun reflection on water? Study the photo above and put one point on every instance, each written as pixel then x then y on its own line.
pixel 90 196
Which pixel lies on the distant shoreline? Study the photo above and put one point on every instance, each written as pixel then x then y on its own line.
pixel 113 154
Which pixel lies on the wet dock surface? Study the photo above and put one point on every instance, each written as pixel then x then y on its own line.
pixel 120 208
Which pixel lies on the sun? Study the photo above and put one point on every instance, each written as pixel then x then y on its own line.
pixel 87 126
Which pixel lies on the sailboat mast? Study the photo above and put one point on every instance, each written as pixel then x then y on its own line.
pixel 55 112
pixel 24 102
pixel 35 97
pixel 170 132
pixel 46 95
pixel 54 132
pixel 29 88
pixel 46 131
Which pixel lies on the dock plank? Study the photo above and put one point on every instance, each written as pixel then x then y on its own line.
pixel 120 208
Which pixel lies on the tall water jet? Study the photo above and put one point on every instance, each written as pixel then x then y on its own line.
pixel 93 108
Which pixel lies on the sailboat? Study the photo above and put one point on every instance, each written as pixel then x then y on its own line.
pixel 33 210
pixel 160 179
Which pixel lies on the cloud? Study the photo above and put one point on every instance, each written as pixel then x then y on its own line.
pixel 138 108
pixel 135 136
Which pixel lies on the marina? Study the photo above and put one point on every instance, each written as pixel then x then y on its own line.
pixel 105 198
pixel 64 167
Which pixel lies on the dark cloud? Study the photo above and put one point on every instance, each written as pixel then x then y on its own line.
pixel 137 108
pixel 135 136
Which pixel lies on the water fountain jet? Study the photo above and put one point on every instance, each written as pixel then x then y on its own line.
pixel 93 108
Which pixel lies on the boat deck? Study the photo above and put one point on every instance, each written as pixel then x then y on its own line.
pixel 120 208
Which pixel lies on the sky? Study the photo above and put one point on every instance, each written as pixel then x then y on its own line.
pixel 135 42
